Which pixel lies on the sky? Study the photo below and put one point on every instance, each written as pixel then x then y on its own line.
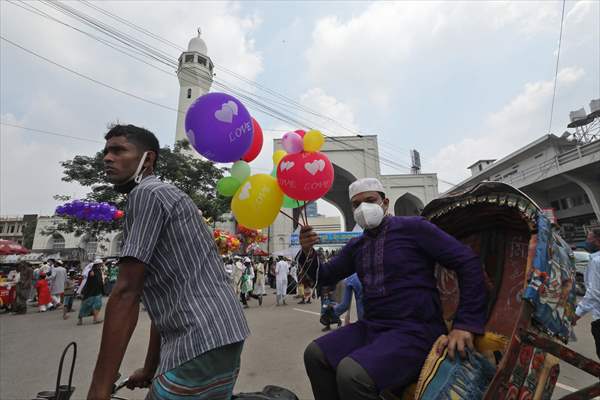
pixel 458 81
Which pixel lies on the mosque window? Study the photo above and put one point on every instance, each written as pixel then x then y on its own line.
pixel 189 93
pixel 201 60
pixel 189 58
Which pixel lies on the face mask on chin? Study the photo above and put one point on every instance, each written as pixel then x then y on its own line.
pixel 369 215
pixel 134 179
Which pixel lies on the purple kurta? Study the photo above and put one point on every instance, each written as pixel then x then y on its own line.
pixel 403 315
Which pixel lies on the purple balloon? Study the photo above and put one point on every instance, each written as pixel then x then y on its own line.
pixel 292 142
pixel 219 127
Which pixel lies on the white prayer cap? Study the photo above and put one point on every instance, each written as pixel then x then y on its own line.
pixel 247 259
pixel 98 261
pixel 365 185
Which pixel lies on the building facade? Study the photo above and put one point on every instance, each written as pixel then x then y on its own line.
pixel 557 173
pixel 19 229
pixel 75 248
pixel 322 223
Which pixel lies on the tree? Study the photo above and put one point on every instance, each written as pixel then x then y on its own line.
pixel 196 177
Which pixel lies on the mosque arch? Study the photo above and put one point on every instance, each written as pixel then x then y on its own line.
pixel 56 242
pixel 116 245
pixel 407 205
pixel 90 245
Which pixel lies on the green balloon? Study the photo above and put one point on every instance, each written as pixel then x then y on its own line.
pixel 274 172
pixel 240 170
pixel 291 203
pixel 227 186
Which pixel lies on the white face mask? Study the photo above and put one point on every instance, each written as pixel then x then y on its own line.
pixel 368 215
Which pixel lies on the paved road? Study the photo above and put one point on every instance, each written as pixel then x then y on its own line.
pixel 30 346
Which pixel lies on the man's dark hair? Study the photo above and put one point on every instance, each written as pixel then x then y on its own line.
pixel 596 233
pixel 142 138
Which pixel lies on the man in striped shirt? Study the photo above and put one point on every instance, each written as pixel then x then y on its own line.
pixel 170 261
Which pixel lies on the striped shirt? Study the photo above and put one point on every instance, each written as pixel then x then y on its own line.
pixel 186 291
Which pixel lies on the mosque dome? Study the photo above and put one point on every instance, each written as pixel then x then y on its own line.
pixel 197 44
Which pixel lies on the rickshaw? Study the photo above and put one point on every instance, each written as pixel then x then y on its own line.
pixel 530 275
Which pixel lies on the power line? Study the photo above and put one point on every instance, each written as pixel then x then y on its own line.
pixel 238 91
pixel 87 77
pixel 154 53
pixel 562 18
pixel 372 157
pixel 50 133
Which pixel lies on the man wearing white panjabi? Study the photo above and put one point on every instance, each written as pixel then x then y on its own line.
pixel 282 270
pixel 238 271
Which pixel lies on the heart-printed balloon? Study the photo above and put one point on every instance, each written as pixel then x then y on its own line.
pixel 219 127
pixel 309 178
pixel 257 202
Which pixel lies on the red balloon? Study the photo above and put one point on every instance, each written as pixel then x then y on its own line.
pixel 301 132
pixel 257 142
pixel 119 214
pixel 305 176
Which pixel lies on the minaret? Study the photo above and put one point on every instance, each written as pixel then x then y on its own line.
pixel 195 73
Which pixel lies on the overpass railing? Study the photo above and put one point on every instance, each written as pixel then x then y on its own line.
pixel 578 152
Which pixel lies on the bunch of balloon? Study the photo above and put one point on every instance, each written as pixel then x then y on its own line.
pixel 89 211
pixel 221 129
pixel 226 242
pixel 251 235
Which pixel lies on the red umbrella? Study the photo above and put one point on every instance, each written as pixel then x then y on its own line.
pixel 10 247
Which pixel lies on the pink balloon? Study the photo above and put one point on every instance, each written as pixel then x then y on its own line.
pixel 292 143
pixel 305 176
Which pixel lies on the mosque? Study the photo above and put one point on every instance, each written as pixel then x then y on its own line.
pixel 353 157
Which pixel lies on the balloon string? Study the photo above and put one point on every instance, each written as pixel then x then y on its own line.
pixel 292 218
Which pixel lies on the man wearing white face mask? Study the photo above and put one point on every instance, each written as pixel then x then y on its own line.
pixel 394 260
pixel 170 261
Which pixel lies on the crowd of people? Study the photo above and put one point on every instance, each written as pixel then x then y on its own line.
pixel 251 275
pixel 50 286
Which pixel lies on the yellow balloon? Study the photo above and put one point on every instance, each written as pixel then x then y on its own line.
pixel 313 141
pixel 257 201
pixel 277 156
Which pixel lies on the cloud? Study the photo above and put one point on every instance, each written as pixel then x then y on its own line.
pixel 39 95
pixel 522 120
pixel 370 53
pixel 30 172
pixel 339 117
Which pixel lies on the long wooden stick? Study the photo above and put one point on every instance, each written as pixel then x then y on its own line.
pixel 292 218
